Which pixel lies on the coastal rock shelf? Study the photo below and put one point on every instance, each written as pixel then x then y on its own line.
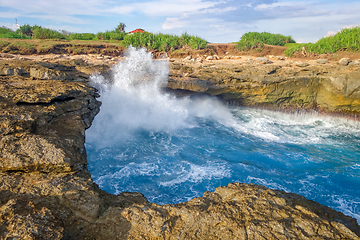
pixel 46 190
pixel 284 85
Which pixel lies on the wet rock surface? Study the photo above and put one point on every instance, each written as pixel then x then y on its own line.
pixel 46 191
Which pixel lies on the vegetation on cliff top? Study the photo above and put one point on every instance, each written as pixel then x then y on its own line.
pixel 162 42
pixel 253 40
pixel 345 40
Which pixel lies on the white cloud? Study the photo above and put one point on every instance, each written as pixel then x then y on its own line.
pixel 330 33
pixel 273 5
pixel 12 26
pixel 164 7
pixel 218 10
pixel 9 14
pixel 172 23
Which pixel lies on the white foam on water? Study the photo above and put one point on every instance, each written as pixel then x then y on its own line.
pixel 197 173
pixel 350 208
pixel 298 128
pixel 266 183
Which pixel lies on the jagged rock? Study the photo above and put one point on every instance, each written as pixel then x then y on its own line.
pixel 188 57
pixel 302 64
pixel 25 221
pixel 322 61
pixel 240 211
pixel 345 61
pixel 354 63
pixel 263 60
pixel 209 58
pixel 276 57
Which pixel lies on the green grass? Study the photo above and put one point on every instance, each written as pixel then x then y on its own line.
pixel 3 44
pixel 345 40
pixel 253 40
pixel 81 36
pixel 4 30
pixel 45 33
pixel 21 47
pixel 8 33
pixel 163 42
pixel 111 35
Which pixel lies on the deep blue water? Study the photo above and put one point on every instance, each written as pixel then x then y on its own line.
pixel 174 149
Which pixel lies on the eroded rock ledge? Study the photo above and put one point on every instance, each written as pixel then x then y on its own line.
pixel 277 84
pixel 46 191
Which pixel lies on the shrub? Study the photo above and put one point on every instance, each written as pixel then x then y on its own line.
pixel 197 43
pixel 13 35
pixel 346 39
pixel 81 36
pixel 45 33
pixel 253 40
pixel 4 30
pixel 111 35
pixel 25 30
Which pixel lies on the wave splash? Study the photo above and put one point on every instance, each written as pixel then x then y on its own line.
pixel 133 99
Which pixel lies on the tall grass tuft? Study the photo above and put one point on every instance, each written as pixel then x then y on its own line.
pixel 163 42
pixel 252 40
pixel 45 33
pixel 345 40
pixel 81 36
pixel 111 35
pixel 8 33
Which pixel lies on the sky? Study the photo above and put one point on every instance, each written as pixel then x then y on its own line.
pixel 217 21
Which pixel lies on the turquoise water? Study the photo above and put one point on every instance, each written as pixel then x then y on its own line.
pixel 174 149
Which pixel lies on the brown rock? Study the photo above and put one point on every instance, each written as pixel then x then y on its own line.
pixel 345 61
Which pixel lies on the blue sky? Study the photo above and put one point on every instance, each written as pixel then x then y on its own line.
pixel 218 21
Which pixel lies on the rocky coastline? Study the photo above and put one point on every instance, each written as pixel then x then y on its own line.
pixel 46 190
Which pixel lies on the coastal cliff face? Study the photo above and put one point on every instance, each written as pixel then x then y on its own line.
pixel 282 85
pixel 46 190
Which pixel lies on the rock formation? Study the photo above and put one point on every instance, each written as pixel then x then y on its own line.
pixel 46 191
pixel 283 85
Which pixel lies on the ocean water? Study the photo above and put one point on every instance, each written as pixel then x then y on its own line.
pixel 174 149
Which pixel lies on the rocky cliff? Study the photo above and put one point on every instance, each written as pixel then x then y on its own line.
pixel 277 84
pixel 46 191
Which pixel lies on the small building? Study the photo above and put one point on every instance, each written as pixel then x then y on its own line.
pixel 139 30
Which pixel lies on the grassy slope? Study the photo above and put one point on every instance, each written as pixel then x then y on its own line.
pixel 345 40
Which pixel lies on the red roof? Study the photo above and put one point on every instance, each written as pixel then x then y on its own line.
pixel 137 31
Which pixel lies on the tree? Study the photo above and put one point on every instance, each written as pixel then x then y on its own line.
pixel 121 27
pixel 25 30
